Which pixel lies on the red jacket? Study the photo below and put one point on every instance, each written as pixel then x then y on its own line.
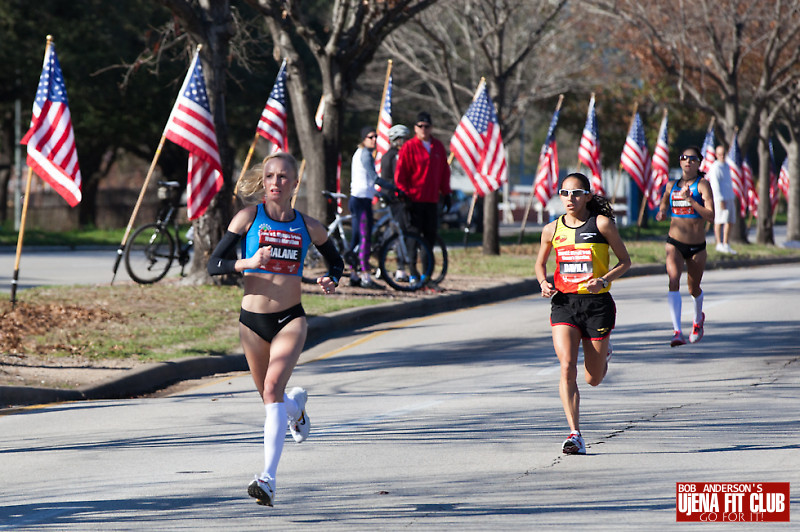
pixel 421 175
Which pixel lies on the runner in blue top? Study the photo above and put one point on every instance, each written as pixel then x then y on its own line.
pixel 272 323
pixel 690 203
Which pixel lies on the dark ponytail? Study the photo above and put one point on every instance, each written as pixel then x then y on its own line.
pixel 598 204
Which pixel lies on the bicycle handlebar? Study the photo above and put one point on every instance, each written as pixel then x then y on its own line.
pixel 333 195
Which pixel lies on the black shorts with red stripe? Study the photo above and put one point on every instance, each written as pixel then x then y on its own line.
pixel 594 315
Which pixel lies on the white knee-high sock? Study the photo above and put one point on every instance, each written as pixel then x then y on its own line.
pixel 674 300
pixel 274 434
pixel 292 408
pixel 698 307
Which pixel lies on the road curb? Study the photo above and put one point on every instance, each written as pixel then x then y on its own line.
pixel 151 377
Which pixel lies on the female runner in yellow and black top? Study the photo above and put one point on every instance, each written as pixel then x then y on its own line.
pixel 582 309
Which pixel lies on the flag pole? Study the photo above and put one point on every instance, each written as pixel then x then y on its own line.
pixel 300 173
pixel 24 214
pixel 121 249
pixel 21 232
pixel 385 87
pixel 616 181
pixel 474 194
pixel 533 188
pixel 246 164
pixel 579 159
pixel 645 199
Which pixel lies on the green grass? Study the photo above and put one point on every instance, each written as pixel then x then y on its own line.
pixel 77 237
pixel 155 322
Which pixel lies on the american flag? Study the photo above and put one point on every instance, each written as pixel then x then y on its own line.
pixel 773 181
pixel 191 126
pixel 750 187
pixel 50 139
pixel 783 178
pixel 478 145
pixel 660 165
pixel 707 151
pixel 544 186
pixel 635 158
pixel 384 124
pixel 272 125
pixel 734 160
pixel 589 149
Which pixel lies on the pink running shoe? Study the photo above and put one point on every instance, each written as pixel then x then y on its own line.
pixel 677 339
pixel 697 330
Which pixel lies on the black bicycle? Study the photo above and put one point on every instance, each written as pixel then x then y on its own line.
pixel 152 249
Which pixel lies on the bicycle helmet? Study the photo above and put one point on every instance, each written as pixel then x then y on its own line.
pixel 399 131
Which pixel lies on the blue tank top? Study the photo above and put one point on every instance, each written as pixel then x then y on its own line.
pixel 289 241
pixel 681 208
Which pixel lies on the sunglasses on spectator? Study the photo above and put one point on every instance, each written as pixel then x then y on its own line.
pixel 423 126
pixel 689 158
pixel 370 136
pixel 576 193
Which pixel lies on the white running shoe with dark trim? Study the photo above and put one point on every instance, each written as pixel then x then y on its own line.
pixel 574 444
pixel 262 491
pixel 301 426
pixel 677 339
pixel 697 330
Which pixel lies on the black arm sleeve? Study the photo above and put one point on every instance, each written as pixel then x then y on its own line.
pixel 332 259
pixel 218 264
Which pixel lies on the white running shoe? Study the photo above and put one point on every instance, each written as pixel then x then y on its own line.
pixel 721 248
pixel 574 444
pixel 401 276
pixel 730 250
pixel 301 426
pixel 697 330
pixel 262 491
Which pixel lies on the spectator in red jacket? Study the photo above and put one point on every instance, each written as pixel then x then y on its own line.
pixel 423 174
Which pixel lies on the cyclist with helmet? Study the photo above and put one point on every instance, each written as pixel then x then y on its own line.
pixel 398 134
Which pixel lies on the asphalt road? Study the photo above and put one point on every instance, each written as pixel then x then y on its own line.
pixel 56 267
pixel 448 422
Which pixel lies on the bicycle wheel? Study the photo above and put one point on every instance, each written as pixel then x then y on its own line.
pixel 439 261
pixel 405 262
pixel 149 254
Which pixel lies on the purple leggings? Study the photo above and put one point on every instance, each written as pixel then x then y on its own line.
pixel 361 209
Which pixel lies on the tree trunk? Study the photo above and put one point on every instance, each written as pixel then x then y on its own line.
pixel 5 178
pixel 491 232
pixel 793 201
pixel 213 28
pixel 764 233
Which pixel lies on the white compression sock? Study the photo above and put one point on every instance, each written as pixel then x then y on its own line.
pixel 674 300
pixel 274 434
pixel 292 408
pixel 698 307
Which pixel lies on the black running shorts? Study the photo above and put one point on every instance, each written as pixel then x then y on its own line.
pixel 267 326
pixel 594 315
